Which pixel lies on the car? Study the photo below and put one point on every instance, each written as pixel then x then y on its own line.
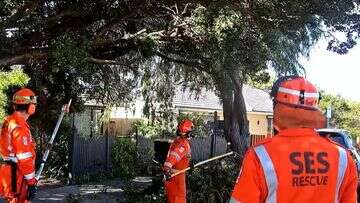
pixel 343 138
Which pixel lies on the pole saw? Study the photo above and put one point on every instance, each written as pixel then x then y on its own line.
pixel 201 163
pixel 65 109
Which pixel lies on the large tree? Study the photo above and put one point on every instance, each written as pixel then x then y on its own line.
pixel 103 48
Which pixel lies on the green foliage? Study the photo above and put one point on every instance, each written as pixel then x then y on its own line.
pixel 145 128
pixel 207 184
pixel 123 154
pixel 157 89
pixel 155 129
pixel 135 193
pixel 200 130
pixel 99 49
pixel 57 165
pixel 14 78
pixel 345 113
pixel 214 182
pixel 352 119
pixel 144 157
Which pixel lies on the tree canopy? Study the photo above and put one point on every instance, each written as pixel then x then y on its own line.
pixel 345 113
pixel 109 50
pixel 13 78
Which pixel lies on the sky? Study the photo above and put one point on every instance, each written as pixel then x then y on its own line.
pixel 334 73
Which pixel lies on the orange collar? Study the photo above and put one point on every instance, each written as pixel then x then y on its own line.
pixel 20 119
pixel 297 132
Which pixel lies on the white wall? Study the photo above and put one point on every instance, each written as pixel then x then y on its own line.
pixel 133 112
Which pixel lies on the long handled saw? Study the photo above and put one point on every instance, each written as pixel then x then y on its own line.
pixel 65 109
pixel 201 163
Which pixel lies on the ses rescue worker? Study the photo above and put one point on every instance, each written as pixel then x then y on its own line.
pixel 297 165
pixel 178 158
pixel 17 149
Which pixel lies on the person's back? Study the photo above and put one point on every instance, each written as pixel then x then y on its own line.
pixel 297 165
pixel 312 170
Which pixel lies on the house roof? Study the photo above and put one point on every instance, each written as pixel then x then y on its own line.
pixel 256 100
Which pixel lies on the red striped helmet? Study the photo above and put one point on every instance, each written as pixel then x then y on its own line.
pixel 24 96
pixel 185 126
pixel 296 91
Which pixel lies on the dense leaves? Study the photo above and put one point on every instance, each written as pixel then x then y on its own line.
pixel 123 155
pixel 345 113
pixel 14 78
pixel 107 50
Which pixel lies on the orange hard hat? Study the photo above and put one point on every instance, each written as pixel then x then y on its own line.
pixel 185 126
pixel 24 96
pixel 295 91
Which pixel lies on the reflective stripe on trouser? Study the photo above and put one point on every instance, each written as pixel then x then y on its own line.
pixel 30 176
pixel 341 170
pixel 269 172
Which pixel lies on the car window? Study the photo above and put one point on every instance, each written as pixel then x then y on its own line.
pixel 336 137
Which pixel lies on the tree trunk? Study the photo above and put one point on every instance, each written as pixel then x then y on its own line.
pixel 234 109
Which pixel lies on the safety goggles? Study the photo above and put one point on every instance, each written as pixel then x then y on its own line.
pixel 24 99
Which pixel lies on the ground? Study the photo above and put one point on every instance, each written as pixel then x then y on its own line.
pixel 109 191
pixel 105 192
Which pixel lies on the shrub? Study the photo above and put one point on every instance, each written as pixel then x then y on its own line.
pixel 145 129
pixel 208 184
pixel 214 182
pixel 123 155
pixel 136 193
pixel 57 164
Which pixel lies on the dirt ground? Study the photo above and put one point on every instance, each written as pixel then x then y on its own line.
pixel 109 191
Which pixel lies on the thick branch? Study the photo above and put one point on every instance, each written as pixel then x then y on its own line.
pixel 194 63
pixel 104 61
pixel 21 59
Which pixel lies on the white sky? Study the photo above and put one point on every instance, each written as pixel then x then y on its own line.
pixel 334 73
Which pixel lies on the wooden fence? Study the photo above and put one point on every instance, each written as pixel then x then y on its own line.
pixel 90 154
pixel 93 154
pixel 257 138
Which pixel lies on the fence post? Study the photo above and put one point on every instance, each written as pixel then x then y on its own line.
pixel 213 135
pixel 107 148
pixel 136 145
pixel 71 152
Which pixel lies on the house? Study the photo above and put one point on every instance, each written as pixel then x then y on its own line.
pixel 258 106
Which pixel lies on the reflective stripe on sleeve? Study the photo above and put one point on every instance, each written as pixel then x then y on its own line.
pixel 177 156
pixel 269 172
pixel 25 155
pixel 30 176
pixel 297 93
pixel 342 165
pixel 233 200
pixel 11 158
pixel 168 164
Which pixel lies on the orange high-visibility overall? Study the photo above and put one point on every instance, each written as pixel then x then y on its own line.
pixel 178 158
pixel 16 146
pixel 296 166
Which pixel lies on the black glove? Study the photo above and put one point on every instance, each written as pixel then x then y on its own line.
pixel 167 174
pixel 192 167
pixel 31 192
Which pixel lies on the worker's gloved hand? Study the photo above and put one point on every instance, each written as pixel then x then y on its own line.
pixel 167 173
pixel 192 167
pixel 32 189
